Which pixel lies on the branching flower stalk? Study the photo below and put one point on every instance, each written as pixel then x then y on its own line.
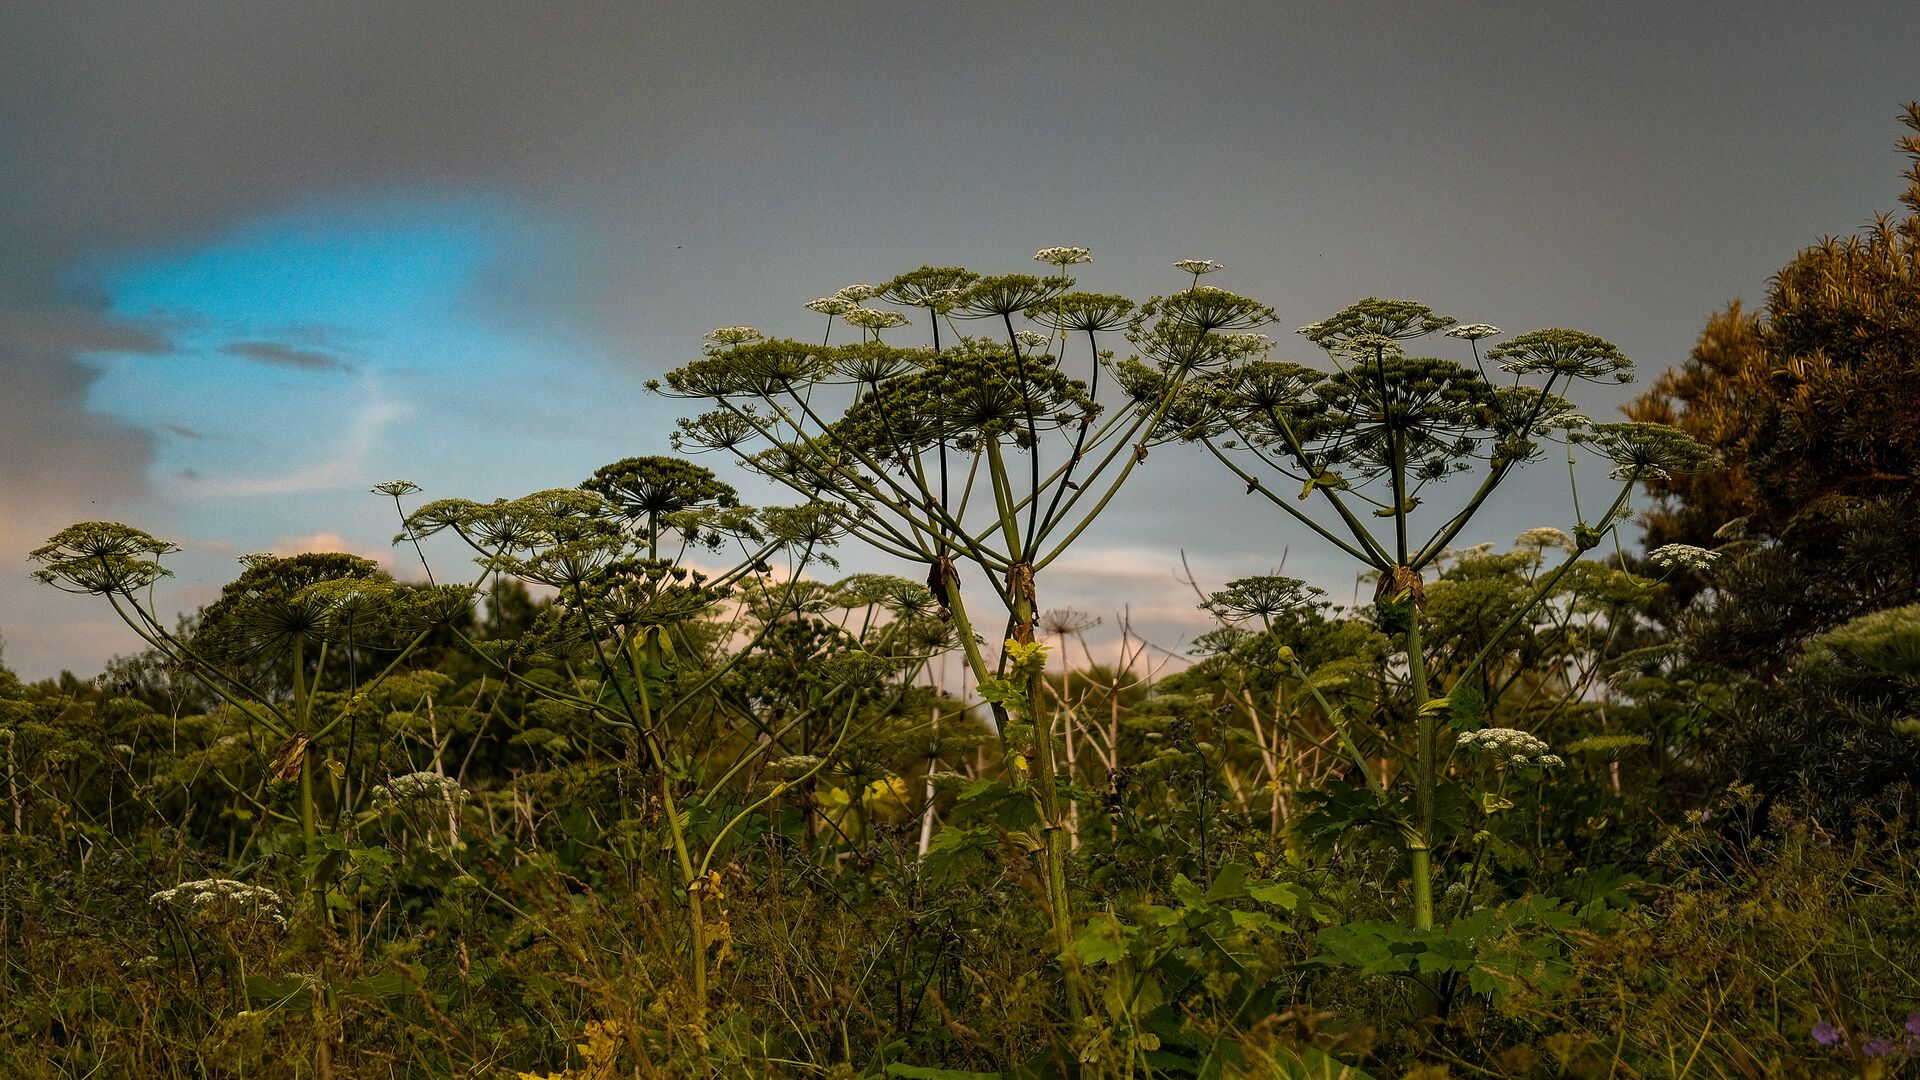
pixel 261 629
pixel 1372 435
pixel 622 611
pixel 919 444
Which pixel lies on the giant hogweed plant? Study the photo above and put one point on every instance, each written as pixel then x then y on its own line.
pixel 1376 434
pixel 642 639
pixel 975 448
pixel 277 637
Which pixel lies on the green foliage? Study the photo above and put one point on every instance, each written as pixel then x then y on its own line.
pixel 669 820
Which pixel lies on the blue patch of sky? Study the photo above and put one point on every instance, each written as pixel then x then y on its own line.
pixel 387 302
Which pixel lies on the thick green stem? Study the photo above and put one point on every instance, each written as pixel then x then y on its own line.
pixel 692 884
pixel 1046 769
pixel 306 757
pixel 689 881
pixel 1053 822
pixel 1420 847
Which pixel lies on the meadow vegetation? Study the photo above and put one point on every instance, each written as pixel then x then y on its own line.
pixel 648 787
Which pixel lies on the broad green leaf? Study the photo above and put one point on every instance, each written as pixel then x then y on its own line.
pixel 1278 893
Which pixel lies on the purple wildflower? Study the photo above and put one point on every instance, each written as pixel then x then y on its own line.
pixel 1877 1047
pixel 1913 1025
pixel 1826 1034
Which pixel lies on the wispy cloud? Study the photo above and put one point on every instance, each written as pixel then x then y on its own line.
pixel 345 466
pixel 275 354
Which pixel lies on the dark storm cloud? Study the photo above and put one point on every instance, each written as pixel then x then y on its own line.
pixel 274 354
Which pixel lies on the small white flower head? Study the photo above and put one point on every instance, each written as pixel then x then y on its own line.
pixel 222 901
pixel 1545 537
pixel 1683 557
pixel 1246 344
pixel 396 488
pixel 1309 330
pixel 1063 257
pixel 857 293
pixel 1473 331
pixel 832 305
pixel 1031 340
pixel 1575 425
pixel 794 766
pixel 945 780
pixel 734 335
pixel 1197 267
pixel 1511 746
pixel 419 787
pixel 874 318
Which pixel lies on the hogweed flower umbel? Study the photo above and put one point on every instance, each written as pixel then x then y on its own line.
pixel 1063 257
pixel 101 557
pixel 1683 557
pixel 1473 331
pixel 220 901
pixel 1546 537
pixel 874 318
pixel 733 335
pixel 418 787
pixel 1266 597
pixel 1511 746
pixel 831 305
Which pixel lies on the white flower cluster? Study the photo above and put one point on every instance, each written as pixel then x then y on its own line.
pixel 1031 340
pixel 1473 331
pixel 1545 536
pixel 733 335
pixel 1198 266
pixel 417 787
pixel 1573 423
pixel 1247 344
pixel 1510 745
pixel 831 305
pixel 1062 256
pixel 857 293
pixel 874 318
pixel 946 780
pixel 223 900
pixel 1683 557
pixel 794 766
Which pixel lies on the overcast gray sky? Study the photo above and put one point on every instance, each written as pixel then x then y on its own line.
pixel 257 257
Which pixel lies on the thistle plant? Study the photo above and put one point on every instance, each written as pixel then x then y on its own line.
pixel 1377 432
pixel 922 446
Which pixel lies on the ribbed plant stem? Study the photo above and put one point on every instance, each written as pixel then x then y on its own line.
pixel 1421 847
